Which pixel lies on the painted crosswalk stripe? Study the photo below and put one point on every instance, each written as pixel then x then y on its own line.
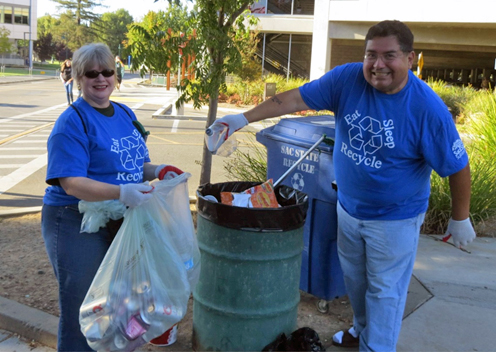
pixel 174 126
pixel 26 170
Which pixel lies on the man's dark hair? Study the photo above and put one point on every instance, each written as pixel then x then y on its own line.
pixel 392 28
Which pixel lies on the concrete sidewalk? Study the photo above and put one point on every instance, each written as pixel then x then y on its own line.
pixel 26 78
pixel 461 315
pixel 451 305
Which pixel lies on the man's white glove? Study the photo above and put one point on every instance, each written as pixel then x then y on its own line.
pixel 462 232
pixel 167 172
pixel 134 194
pixel 233 123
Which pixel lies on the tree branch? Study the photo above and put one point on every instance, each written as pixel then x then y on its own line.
pixel 235 14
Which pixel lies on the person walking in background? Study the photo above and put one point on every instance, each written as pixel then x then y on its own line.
pixel 392 130
pixel 95 153
pixel 67 79
pixel 119 69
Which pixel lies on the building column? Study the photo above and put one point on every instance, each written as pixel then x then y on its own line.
pixel 321 44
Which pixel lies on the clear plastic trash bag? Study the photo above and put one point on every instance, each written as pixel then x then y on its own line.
pixel 145 280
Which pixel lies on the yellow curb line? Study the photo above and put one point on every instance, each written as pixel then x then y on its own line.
pixel 8 139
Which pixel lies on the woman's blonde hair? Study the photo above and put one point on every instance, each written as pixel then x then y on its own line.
pixel 90 55
pixel 64 64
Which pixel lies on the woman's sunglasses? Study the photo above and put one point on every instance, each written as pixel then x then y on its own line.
pixel 95 73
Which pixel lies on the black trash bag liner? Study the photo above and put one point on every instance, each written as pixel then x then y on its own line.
pixel 303 339
pixel 290 216
pixel 279 344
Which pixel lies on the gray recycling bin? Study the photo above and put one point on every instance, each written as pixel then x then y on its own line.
pixel 321 273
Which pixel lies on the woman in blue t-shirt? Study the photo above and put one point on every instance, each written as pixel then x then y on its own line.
pixel 95 153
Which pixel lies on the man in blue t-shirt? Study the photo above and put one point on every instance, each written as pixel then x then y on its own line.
pixel 392 130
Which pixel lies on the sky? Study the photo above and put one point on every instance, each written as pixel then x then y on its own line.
pixel 137 8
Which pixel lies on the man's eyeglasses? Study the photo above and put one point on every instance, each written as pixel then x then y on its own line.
pixel 387 57
pixel 95 73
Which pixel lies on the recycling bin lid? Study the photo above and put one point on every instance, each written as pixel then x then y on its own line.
pixel 302 131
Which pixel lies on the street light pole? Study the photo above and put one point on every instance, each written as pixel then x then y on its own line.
pixel 30 39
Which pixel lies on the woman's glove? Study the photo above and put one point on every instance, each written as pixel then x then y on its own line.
pixel 462 232
pixel 167 172
pixel 134 194
pixel 233 123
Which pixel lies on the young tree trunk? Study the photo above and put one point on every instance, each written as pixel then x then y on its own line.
pixel 206 167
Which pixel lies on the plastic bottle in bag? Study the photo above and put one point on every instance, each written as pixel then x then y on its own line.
pixel 215 139
pixel 184 249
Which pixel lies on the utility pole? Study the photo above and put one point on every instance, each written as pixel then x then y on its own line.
pixel 30 39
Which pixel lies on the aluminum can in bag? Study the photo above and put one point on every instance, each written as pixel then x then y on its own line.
pixel 136 327
pixel 97 329
pixel 160 312
pixel 94 308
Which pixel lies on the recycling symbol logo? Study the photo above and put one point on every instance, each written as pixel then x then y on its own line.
pixel 298 181
pixel 132 153
pixel 366 135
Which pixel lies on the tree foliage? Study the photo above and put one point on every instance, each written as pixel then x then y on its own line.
pixel 81 9
pixel 216 34
pixel 155 41
pixel 81 25
pixel 222 35
pixel 47 24
pixel 70 33
pixel 250 68
pixel 113 30
pixel 44 47
pixel 62 52
pixel 6 46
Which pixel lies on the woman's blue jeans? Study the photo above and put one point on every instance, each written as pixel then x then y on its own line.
pixel 75 258
pixel 68 90
pixel 377 259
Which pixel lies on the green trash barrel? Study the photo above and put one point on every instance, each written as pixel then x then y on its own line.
pixel 248 290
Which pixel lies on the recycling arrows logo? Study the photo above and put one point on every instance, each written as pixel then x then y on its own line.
pixel 366 135
pixel 132 153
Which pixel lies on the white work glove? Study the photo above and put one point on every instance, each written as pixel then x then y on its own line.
pixel 462 232
pixel 134 194
pixel 233 123
pixel 167 172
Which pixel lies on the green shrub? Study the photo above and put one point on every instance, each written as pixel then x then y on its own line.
pixel 247 92
pixel 248 163
pixel 282 83
pixel 481 131
pixel 439 211
pixel 243 92
pixel 480 113
pixel 480 142
pixel 455 97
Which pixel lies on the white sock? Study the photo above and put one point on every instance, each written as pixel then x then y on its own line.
pixel 353 332
pixel 338 337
